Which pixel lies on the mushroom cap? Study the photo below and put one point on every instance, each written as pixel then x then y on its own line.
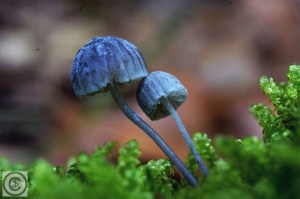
pixel 104 60
pixel 156 85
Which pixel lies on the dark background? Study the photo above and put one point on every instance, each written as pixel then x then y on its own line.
pixel 217 49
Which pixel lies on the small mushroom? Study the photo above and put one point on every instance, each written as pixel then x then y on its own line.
pixel 103 64
pixel 159 95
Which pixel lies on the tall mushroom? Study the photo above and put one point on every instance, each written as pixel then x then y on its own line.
pixel 159 95
pixel 103 64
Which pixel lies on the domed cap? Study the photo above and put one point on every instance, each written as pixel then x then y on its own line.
pixel 104 60
pixel 156 85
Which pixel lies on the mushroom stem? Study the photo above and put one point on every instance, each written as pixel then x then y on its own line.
pixel 130 114
pixel 185 134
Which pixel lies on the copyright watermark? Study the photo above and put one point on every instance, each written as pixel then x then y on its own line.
pixel 14 183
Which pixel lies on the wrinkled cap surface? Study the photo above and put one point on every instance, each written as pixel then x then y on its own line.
pixel 156 85
pixel 104 60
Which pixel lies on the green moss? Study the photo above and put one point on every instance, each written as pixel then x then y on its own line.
pixel 247 168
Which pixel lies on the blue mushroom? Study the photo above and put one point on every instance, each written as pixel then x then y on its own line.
pixel 104 60
pixel 156 85
pixel 102 65
pixel 159 95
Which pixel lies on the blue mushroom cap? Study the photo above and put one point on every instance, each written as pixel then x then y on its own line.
pixel 156 85
pixel 105 60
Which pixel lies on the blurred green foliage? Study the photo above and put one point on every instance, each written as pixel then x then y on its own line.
pixel 248 168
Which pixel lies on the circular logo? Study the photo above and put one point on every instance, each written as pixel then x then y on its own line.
pixel 15 183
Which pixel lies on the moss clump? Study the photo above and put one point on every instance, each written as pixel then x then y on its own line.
pixel 248 168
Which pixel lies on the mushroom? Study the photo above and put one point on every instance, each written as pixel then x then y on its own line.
pixel 102 65
pixel 159 95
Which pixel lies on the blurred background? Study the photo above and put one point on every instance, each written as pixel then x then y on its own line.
pixel 218 49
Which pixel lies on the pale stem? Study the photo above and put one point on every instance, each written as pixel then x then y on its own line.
pixel 185 135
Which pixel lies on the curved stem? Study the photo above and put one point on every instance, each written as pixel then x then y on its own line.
pixel 185 135
pixel 130 114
